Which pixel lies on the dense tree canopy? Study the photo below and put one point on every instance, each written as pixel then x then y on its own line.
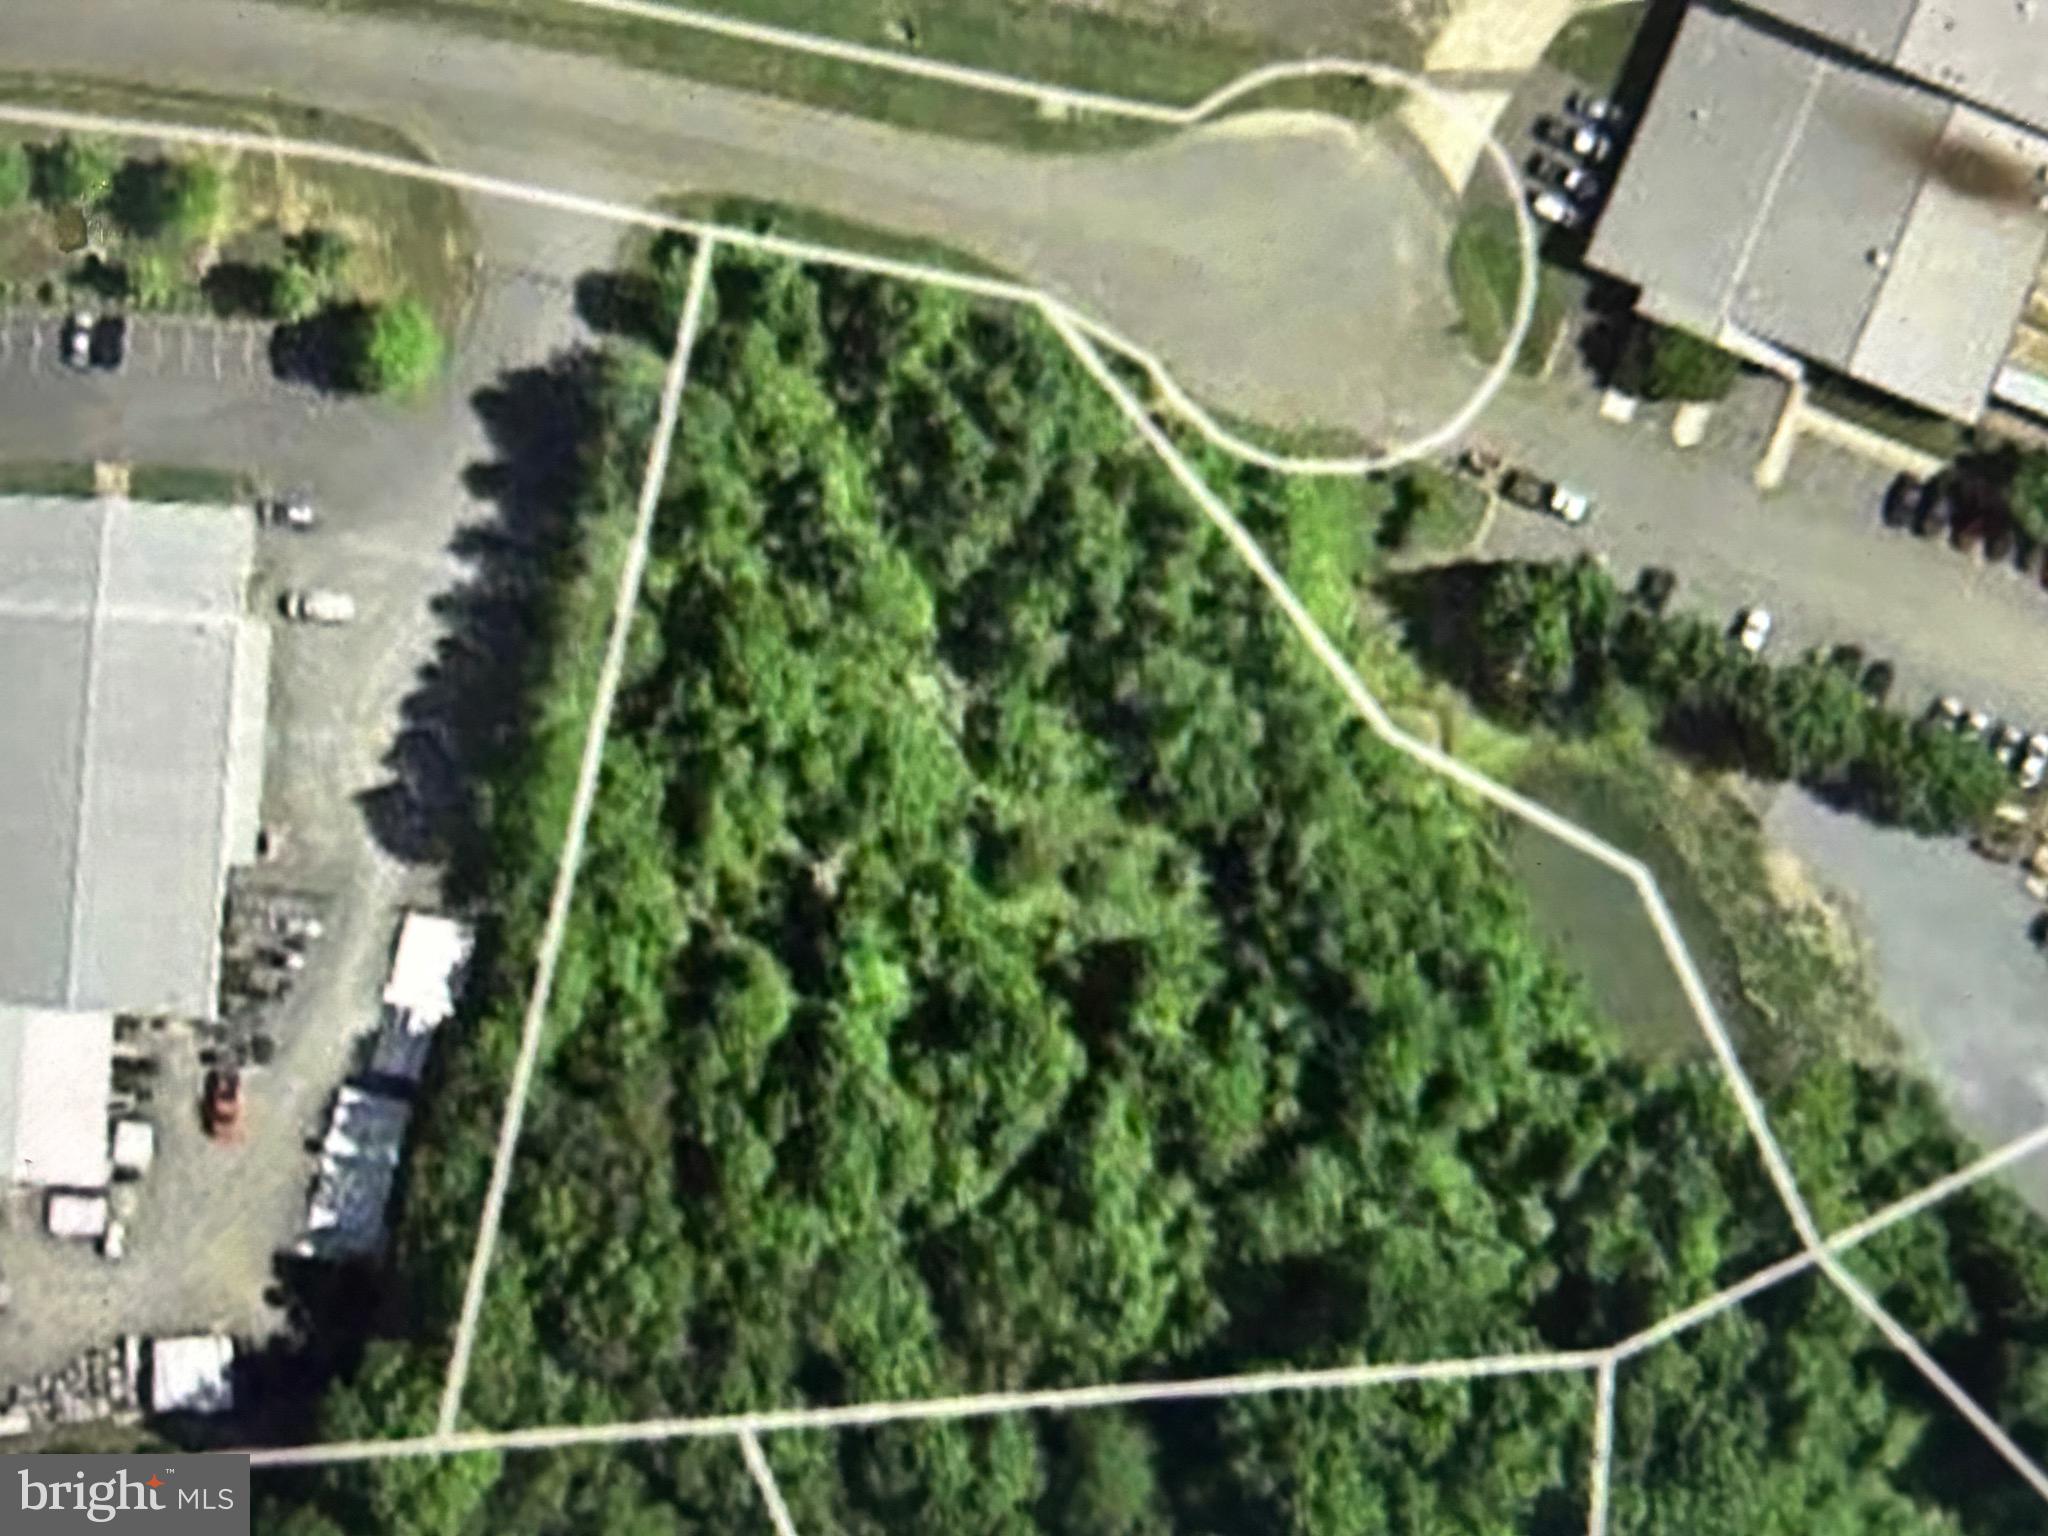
pixel 1001 960
pixel 1559 645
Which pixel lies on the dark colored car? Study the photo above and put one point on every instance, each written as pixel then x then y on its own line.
pixel 1877 681
pixel 109 346
pixel 1902 501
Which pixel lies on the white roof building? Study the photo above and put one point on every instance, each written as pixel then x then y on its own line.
pixel 56 1070
pixel 192 1374
pixel 426 972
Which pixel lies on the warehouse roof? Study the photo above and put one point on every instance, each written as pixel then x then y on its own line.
pixel 131 778
pixel 1987 51
pixel 1876 226
pixel 55 1073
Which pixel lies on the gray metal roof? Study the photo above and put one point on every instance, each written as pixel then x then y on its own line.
pixel 1873 28
pixel 1853 216
pixel 126 676
pixel 1992 52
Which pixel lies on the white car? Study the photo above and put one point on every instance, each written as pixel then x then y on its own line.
pixel 2033 768
pixel 1755 632
pixel 78 339
pixel 1555 208
pixel 1977 723
pixel 1570 506
pixel 317 605
pixel 1593 109
pixel 1948 711
pixel 1587 144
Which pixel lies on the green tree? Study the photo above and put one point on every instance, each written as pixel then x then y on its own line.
pixel 16 177
pixel 68 171
pixel 2027 494
pixel 392 349
pixel 295 294
pixel 179 197
pixel 322 254
pixel 1683 366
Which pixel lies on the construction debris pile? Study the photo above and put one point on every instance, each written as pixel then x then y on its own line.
pixel 99 1385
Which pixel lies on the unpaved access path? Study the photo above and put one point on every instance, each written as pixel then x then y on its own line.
pixel 1289 269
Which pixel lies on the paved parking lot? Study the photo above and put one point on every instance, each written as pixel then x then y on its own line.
pixel 390 484
pixel 231 353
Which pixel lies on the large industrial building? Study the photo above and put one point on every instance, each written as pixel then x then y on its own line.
pixel 1860 182
pixel 134 686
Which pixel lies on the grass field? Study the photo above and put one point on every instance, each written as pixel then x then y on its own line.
pixel 1486 271
pixel 1887 414
pixel 1593 47
pixel 794 222
pixel 146 482
pixel 1087 48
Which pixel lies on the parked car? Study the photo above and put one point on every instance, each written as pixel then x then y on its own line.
pixel 1526 489
pixel 77 339
pixel 108 348
pixel 1977 723
pixel 1999 539
pixel 1576 139
pixel 222 1107
pixel 1573 180
pixel 294 511
pixel 1878 679
pixel 317 605
pixel 1903 499
pixel 1753 630
pixel 1934 513
pixel 1947 712
pixel 2033 766
pixel 2005 746
pixel 1595 109
pixel 1555 208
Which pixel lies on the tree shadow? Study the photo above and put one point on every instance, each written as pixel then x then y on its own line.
pixel 473 702
pixel 318 351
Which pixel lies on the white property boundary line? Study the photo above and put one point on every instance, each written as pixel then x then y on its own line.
pixel 764 1479
pixel 1600 1480
pixel 994 82
pixel 1183 403
pixel 1376 718
pixel 631 570
pixel 1073 326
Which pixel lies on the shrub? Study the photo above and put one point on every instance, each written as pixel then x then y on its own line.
pixel 393 349
pixel 70 171
pixel 181 197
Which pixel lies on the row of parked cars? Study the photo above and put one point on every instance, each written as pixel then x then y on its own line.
pixel 1971 520
pixel 2024 752
pixel 1565 171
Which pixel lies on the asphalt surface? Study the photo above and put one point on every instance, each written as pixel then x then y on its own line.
pixel 1955 970
pixel 1287 267
pixel 1813 552
pixel 389 481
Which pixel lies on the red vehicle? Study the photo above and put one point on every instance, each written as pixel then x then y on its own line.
pixel 223 1104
